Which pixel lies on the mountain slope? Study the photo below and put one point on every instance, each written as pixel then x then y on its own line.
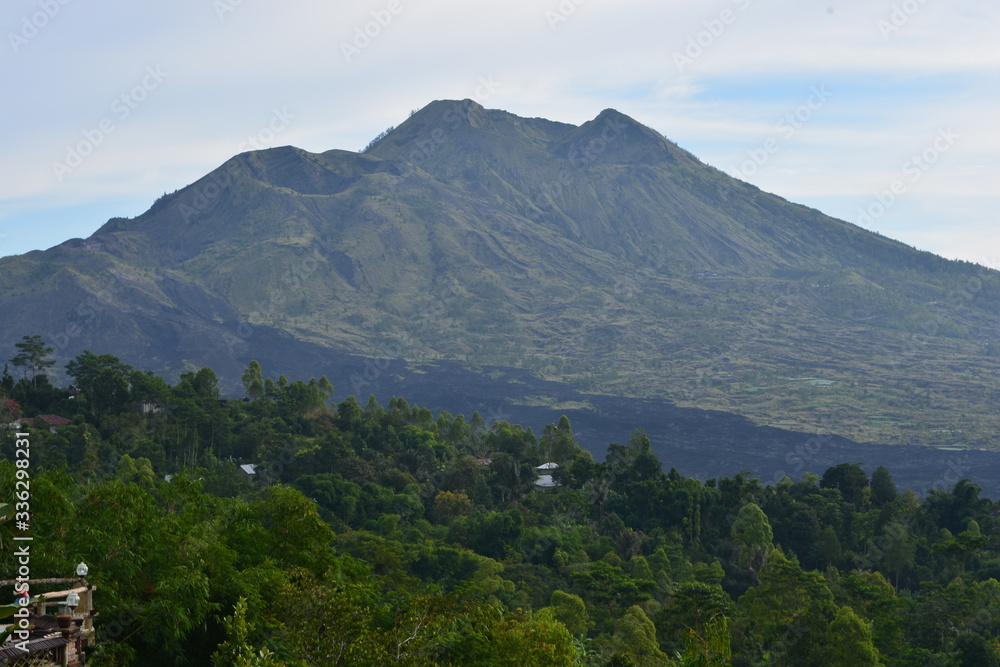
pixel 601 255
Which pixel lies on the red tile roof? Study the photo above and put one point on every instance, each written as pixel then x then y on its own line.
pixel 51 420
pixel 55 420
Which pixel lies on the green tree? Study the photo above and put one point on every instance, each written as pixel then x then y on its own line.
pixel 570 610
pixel 689 612
pixel 898 548
pixel 752 534
pixel 531 640
pixel 447 505
pixel 883 488
pixel 205 384
pixel 301 398
pixel 236 651
pixel 954 510
pixel 557 442
pixel 971 538
pixel 494 534
pixel 710 647
pixel 640 568
pixel 635 639
pixel 478 633
pixel 974 650
pixel 961 546
pixel 6 381
pixel 147 388
pixel 872 597
pixel 134 470
pixel 253 380
pixel 849 642
pixel 828 546
pixel 33 356
pixel 103 379
pixel 787 614
pixel 849 478
pixel 344 605
pixel 611 587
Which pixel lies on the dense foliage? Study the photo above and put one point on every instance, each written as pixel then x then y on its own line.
pixel 377 535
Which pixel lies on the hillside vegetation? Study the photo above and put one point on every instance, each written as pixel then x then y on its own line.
pixel 385 534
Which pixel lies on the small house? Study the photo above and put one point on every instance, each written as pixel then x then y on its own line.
pixel 544 472
pixel 52 421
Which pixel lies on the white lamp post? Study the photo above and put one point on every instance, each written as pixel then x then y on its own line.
pixel 72 600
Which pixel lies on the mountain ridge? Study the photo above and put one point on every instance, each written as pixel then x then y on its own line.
pixel 601 255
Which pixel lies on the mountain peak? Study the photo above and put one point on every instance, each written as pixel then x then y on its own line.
pixel 449 112
pixel 598 253
pixel 615 137
pixel 615 115
pixel 469 126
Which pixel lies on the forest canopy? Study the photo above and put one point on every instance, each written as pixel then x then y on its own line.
pixel 285 529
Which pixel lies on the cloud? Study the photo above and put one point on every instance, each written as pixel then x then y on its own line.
pixel 230 69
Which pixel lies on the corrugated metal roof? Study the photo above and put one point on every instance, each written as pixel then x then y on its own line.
pixel 10 651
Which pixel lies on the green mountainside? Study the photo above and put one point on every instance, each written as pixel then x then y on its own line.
pixel 602 256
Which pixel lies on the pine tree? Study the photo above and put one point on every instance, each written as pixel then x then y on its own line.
pixel 883 488
pixel 33 356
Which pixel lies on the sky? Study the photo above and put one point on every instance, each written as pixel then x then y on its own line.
pixel 879 112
